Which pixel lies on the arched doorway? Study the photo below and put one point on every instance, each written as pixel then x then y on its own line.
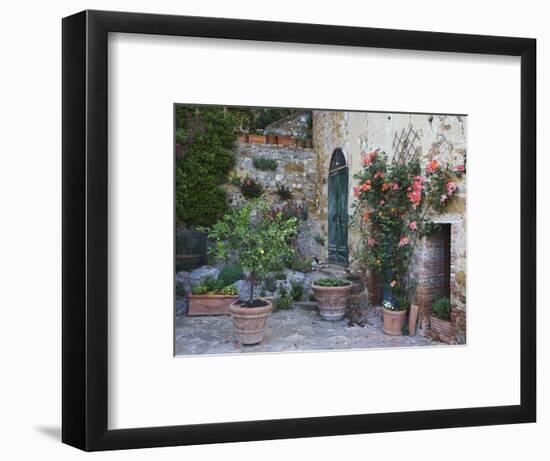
pixel 338 209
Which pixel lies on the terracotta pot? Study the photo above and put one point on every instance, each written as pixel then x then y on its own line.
pixel 393 322
pixel 256 139
pixel 441 327
pixel 332 301
pixel 271 139
pixel 250 322
pixel 242 137
pixel 210 304
pixel 288 141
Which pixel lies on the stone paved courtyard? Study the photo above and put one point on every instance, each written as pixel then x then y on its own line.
pixel 299 329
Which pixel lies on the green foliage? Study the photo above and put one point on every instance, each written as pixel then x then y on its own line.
pixel 280 275
pixel 258 238
pixel 235 181
pixel 320 240
pixel 230 274
pixel 251 189
pixel 255 118
pixel 229 290
pixel 296 290
pixel 210 286
pixel 285 300
pixel 284 192
pixel 299 263
pixel 331 283
pixel 264 164
pixel 180 291
pixel 442 308
pixel 204 156
pixel 270 284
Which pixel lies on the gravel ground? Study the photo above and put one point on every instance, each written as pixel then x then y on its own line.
pixel 299 329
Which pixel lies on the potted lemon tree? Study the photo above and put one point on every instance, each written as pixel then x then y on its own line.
pixel 259 238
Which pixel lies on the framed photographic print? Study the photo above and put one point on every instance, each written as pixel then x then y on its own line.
pixel 279 230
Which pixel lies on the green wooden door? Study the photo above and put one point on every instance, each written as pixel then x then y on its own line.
pixel 338 214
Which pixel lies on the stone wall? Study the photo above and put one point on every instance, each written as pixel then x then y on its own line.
pixel 297 171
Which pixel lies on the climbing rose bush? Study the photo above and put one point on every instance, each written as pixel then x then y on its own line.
pixel 393 202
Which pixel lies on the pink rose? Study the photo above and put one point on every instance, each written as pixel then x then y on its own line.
pixel 451 187
pixel 371 242
pixel 382 202
pixel 412 225
pixel 395 186
pixel 404 241
pixel 460 168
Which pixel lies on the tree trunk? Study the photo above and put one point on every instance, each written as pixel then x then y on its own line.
pixel 252 283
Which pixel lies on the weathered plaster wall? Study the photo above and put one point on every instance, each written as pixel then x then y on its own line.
pixel 440 137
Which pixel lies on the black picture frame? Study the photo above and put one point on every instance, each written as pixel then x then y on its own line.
pixel 85 218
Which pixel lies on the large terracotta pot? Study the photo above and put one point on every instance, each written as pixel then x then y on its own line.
pixel 250 322
pixel 393 322
pixel 210 304
pixel 332 301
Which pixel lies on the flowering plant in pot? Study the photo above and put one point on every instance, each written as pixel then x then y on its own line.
pixel 332 296
pixel 393 209
pixel 260 240
pixel 394 317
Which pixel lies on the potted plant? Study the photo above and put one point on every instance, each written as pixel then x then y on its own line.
pixel 271 139
pixel 300 142
pixel 308 143
pixel 260 241
pixel 257 138
pixel 287 141
pixel 332 296
pixel 242 137
pixel 440 320
pixel 393 318
pixel 210 298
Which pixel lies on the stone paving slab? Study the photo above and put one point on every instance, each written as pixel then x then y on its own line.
pixel 298 329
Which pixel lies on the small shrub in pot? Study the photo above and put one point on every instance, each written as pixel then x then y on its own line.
pixel 332 297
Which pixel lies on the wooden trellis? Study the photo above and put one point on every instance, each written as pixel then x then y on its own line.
pixel 405 145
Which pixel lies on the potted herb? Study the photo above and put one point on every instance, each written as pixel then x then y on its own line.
pixel 440 320
pixel 257 138
pixel 210 297
pixel 260 241
pixel 332 296
pixel 393 318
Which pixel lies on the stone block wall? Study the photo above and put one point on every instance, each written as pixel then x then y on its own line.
pixel 297 171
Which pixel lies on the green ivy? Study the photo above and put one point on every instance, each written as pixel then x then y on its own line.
pixel 205 137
